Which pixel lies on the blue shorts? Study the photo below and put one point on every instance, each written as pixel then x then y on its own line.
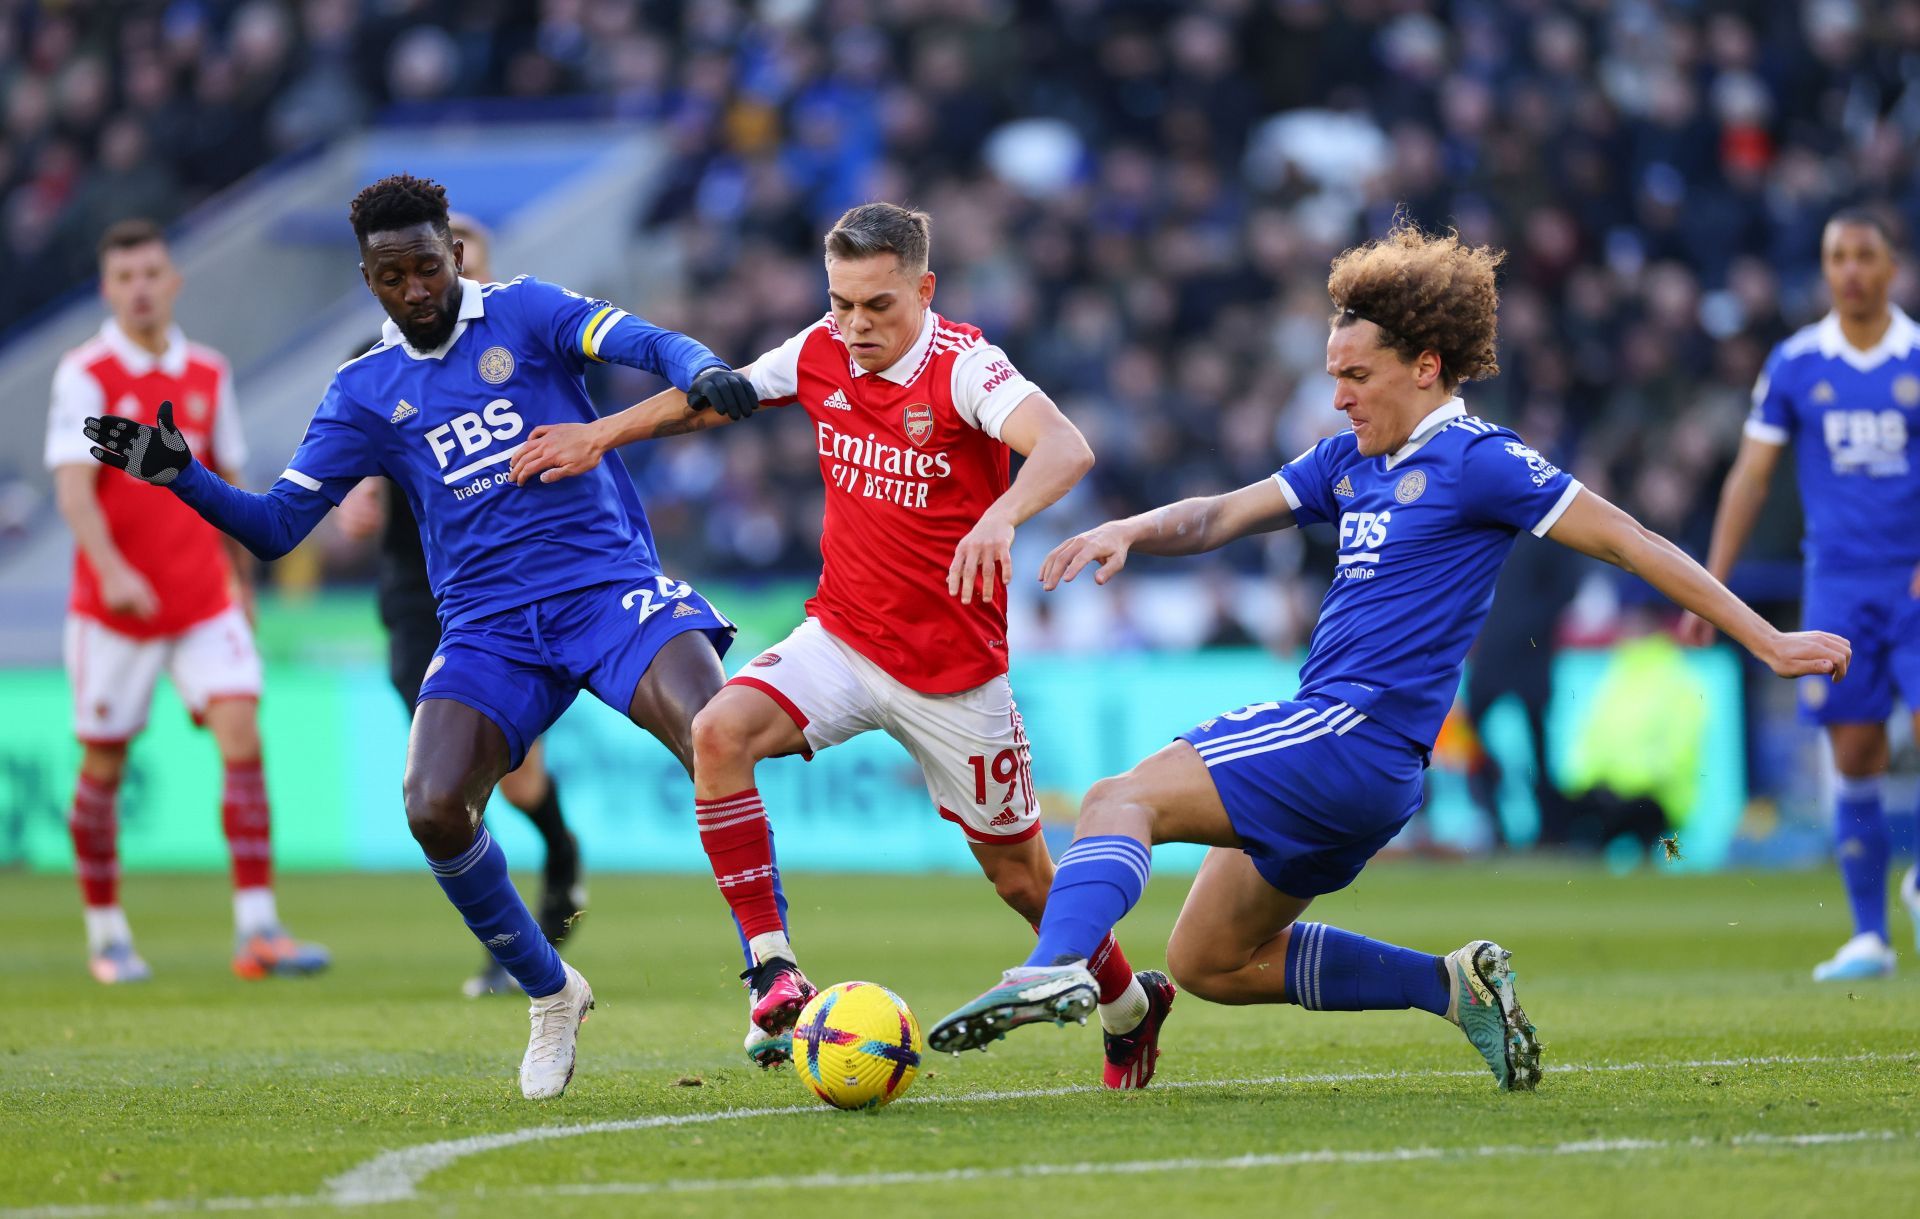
pixel 1313 788
pixel 1877 613
pixel 522 667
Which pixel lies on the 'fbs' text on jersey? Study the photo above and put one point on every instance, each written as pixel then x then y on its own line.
pixel 444 424
pixel 1854 419
pixel 1422 535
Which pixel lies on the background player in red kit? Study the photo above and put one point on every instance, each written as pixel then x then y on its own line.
pixel 155 588
pixel 914 418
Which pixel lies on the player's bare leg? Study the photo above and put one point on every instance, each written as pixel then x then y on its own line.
pixel 1861 755
pixel 731 735
pixel 1229 944
pixel 454 758
pixel 1132 1006
pixel 95 827
pixel 261 946
pixel 720 733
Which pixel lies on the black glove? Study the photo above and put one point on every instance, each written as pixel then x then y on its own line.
pixel 151 454
pixel 723 390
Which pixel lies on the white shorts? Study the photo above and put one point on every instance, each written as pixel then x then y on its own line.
pixel 113 676
pixel 971 746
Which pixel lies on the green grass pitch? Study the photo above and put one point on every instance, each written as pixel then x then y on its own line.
pixel 1692 1067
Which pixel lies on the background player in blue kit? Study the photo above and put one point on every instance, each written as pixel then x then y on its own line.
pixel 1296 795
pixel 543 589
pixel 1846 392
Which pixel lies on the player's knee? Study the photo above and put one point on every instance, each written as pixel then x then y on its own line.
pixel 438 817
pixel 1104 806
pixel 719 739
pixel 1195 971
pixel 105 763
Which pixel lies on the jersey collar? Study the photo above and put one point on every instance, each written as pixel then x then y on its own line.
pixel 1439 417
pixel 137 360
pixel 1899 340
pixel 472 305
pixel 903 370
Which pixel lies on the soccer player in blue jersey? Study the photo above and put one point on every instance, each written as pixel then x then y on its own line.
pixel 543 589
pixel 1295 795
pixel 1846 392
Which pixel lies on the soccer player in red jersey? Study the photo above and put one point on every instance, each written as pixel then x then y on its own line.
pixel 155 589
pixel 915 418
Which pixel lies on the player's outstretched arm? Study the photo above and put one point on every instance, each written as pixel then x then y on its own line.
pixel 1191 526
pixel 1741 498
pixel 269 525
pixel 1595 527
pixel 561 450
pixel 1057 457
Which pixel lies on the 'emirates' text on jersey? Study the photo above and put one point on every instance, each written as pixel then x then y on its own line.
pixel 1854 418
pixel 444 424
pixel 912 458
pixel 1423 533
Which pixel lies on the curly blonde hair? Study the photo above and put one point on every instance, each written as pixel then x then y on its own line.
pixel 1426 292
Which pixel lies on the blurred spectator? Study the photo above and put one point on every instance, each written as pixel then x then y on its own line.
pixel 1137 200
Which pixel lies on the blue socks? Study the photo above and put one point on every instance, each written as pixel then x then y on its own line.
pixel 1098 881
pixel 1860 845
pixel 1330 970
pixel 476 883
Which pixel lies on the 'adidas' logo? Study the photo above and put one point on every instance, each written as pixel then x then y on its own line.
pixel 1344 488
pixel 1005 816
pixel 405 410
pixel 683 610
pixel 837 401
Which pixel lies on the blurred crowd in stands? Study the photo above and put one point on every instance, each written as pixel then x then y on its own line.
pixel 1138 200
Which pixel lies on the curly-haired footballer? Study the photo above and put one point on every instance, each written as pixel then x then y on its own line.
pixel 542 590
pixel 1295 794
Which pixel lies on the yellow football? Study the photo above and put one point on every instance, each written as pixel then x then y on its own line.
pixel 856 1046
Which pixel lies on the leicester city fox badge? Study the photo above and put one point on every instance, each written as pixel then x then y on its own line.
pixel 496 365
pixel 1412 485
pixel 918 420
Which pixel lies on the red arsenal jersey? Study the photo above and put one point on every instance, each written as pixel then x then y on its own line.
pixel 181 555
pixel 912 458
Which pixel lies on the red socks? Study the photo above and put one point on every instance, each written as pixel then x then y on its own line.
pixel 733 829
pixel 1109 968
pixel 245 816
pixel 96 831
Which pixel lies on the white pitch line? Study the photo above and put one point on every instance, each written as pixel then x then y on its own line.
pixel 394 1176
pixel 1291 1159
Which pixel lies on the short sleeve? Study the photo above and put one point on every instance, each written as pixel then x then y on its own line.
pixel 335 454
pixel 76 395
pixel 1503 482
pixel 1305 483
pixel 229 439
pixel 987 387
pixel 1771 420
pixel 776 375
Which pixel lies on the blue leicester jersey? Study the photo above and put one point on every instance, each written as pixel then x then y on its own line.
pixel 1854 419
pixel 444 424
pixel 1423 532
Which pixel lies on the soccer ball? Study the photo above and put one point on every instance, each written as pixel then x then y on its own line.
pixel 857 1046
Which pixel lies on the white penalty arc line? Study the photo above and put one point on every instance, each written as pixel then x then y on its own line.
pixel 395 1176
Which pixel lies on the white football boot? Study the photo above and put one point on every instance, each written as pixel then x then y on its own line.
pixel 548 1066
pixel 1864 956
